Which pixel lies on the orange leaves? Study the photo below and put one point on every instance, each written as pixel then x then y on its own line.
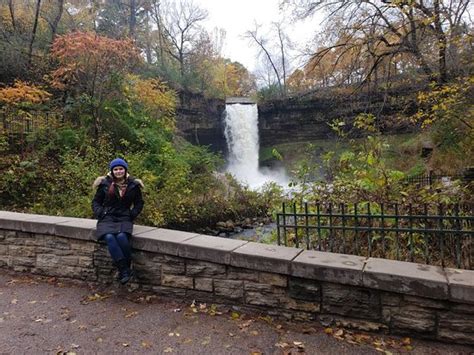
pixel 90 60
pixel 21 93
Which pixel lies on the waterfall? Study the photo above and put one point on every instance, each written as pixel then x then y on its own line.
pixel 241 133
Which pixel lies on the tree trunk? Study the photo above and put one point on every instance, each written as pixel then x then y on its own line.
pixel 147 38
pixel 157 10
pixel 133 18
pixel 33 32
pixel 54 25
pixel 441 37
pixel 283 62
pixel 12 13
pixel 413 47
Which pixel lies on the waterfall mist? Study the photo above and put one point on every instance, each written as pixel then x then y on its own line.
pixel 241 133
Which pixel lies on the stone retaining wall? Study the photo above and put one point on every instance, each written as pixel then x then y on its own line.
pixel 350 291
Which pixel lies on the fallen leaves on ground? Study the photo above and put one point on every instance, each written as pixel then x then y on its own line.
pixel 288 348
pixel 94 297
pixel 169 349
pixel 131 314
pixel 376 342
pixel 144 299
pixel 21 280
pixel 202 308
pixel 146 344
pixel 245 324
pixel 235 315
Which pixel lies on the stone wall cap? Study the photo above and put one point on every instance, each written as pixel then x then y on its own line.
pixel 23 222
pixel 139 229
pixel 78 228
pixel 169 235
pixel 264 257
pixel 405 277
pixel 161 240
pixel 461 284
pixel 204 247
pixel 331 267
pixel 43 224
pixel 269 251
pixel 209 242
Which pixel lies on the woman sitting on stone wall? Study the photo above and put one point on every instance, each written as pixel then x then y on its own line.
pixel 116 204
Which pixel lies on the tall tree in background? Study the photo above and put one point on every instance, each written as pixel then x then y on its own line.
pixel 273 50
pixel 33 31
pixel 385 31
pixel 181 26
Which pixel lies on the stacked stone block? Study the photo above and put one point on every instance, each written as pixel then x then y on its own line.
pixel 343 290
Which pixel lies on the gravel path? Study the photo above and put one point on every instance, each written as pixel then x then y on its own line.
pixel 45 315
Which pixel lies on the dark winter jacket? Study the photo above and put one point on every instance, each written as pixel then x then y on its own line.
pixel 115 214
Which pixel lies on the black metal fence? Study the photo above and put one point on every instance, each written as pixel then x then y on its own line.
pixel 431 178
pixel 432 234
pixel 16 125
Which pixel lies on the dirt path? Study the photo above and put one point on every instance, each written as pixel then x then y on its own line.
pixel 45 315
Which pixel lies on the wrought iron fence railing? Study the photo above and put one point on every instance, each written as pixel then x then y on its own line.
pixel 432 234
pixel 430 179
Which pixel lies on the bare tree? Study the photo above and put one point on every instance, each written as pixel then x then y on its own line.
pixel 156 14
pixel 277 63
pixel 181 27
pixel 383 30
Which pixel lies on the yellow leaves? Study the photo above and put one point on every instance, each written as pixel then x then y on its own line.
pixel 21 93
pixel 155 97
pixel 94 297
pixel 379 344
pixel 447 102
pixel 235 315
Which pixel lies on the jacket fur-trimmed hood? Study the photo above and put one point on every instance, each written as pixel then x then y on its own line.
pixel 99 180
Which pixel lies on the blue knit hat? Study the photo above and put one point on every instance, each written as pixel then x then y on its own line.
pixel 118 162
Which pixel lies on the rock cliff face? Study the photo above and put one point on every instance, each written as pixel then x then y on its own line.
pixel 200 120
pixel 294 120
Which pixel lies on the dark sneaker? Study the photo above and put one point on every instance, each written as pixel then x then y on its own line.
pixel 127 276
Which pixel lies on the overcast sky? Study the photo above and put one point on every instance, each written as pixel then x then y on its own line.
pixel 237 17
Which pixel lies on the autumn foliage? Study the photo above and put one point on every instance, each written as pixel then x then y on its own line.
pixel 156 98
pixel 23 93
pixel 88 61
